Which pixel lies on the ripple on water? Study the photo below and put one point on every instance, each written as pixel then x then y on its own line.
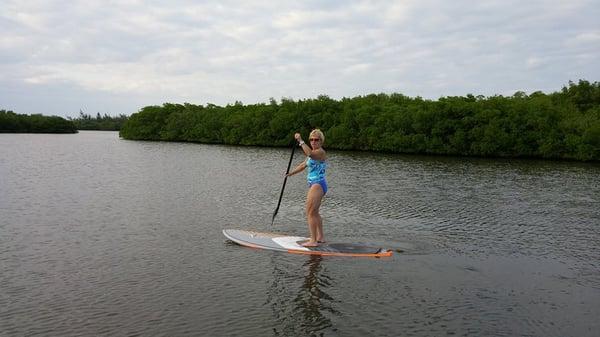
pixel 101 236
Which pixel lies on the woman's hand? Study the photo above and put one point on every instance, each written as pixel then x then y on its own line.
pixel 298 137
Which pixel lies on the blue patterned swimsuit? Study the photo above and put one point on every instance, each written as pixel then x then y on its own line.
pixel 316 173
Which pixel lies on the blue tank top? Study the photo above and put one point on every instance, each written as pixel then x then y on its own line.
pixel 316 170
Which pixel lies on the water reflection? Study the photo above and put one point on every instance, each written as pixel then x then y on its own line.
pixel 494 247
pixel 311 305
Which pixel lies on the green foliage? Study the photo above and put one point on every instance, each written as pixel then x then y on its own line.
pixel 104 123
pixel 560 125
pixel 11 122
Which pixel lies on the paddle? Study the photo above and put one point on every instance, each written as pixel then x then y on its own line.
pixel 284 181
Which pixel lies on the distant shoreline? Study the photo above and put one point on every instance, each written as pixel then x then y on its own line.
pixel 11 122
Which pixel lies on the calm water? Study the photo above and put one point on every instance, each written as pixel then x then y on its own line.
pixel 103 236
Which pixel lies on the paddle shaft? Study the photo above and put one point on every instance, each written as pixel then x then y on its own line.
pixel 284 181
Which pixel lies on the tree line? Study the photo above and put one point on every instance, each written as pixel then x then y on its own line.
pixel 11 122
pixel 559 125
pixel 100 122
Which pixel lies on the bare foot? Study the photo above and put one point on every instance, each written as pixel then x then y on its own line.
pixel 310 244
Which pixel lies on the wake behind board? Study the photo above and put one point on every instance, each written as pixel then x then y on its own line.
pixel 292 244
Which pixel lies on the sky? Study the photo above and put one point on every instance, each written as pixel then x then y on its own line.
pixel 115 57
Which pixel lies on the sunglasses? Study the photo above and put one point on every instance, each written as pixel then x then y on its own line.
pixel 314 139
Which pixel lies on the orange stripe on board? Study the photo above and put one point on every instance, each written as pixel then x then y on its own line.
pixel 250 245
pixel 312 252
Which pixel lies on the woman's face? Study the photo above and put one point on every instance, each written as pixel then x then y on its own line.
pixel 315 141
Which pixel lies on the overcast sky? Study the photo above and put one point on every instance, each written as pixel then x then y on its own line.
pixel 57 57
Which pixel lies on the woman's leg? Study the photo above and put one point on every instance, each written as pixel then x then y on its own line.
pixel 320 230
pixel 320 235
pixel 315 223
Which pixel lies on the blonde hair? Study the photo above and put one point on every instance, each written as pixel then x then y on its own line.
pixel 318 133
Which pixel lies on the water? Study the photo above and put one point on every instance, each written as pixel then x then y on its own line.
pixel 103 236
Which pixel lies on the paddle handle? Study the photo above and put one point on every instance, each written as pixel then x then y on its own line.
pixel 284 181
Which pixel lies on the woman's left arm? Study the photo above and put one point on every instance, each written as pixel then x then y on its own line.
pixel 318 154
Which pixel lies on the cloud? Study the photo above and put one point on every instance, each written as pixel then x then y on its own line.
pixel 225 51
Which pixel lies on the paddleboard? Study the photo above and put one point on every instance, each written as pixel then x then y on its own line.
pixel 292 244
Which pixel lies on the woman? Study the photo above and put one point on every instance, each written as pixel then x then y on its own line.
pixel 317 185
